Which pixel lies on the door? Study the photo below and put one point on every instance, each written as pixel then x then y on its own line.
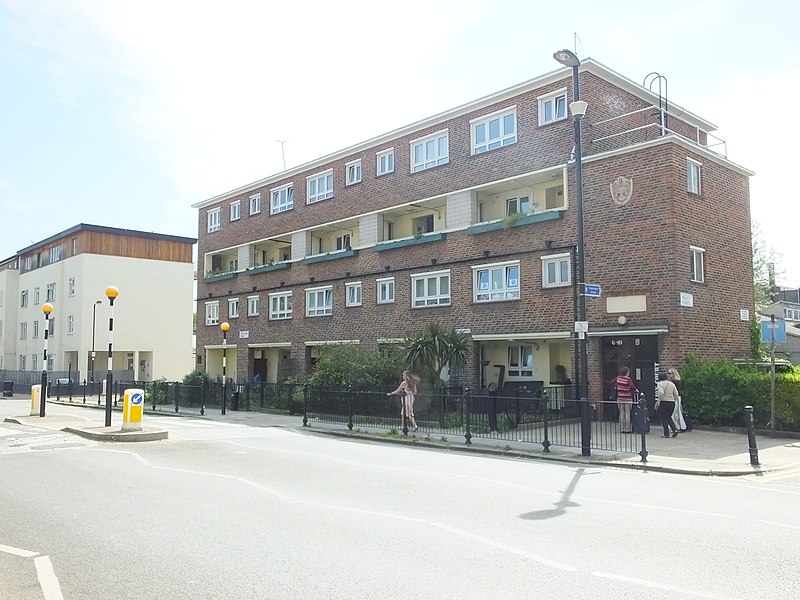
pixel 637 352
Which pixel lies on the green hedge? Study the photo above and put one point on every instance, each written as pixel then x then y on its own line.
pixel 715 393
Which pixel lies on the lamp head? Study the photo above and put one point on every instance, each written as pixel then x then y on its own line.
pixel 112 292
pixel 578 108
pixel 47 308
pixel 96 302
pixel 567 58
pixel 224 326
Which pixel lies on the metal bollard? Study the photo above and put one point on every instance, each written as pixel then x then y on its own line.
pixel 751 435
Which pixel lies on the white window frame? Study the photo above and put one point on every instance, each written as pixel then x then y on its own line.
pixel 54 254
pixel 435 158
pixel 384 162
pixel 71 287
pixel 557 260
pixel 343 241
pixel 22 358
pixel 213 217
pixel 23 298
pixel 353 293
pixel 255 204
pixel 697 258
pixel 70 324
pixel 517 202
pixel 233 308
pixel 427 299
pixel 36 296
pixel 281 199
pixel 693 176
pixel 35 330
pixel 280 306
pixel 503 138
pixel 385 290
pixel 253 305
pixel 552 97
pixel 353 172
pixel 320 193
pixel 509 288
pixel 23 330
pixel 519 370
pixel 236 210
pixel 325 293
pixel 34 362
pixel 50 295
pixel 212 313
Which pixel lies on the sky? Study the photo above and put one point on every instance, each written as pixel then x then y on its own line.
pixel 124 113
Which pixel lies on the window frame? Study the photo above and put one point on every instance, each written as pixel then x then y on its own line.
pixel 556 259
pixel 319 196
pixel 50 293
pixel 520 370
pixel 388 154
pixel 327 307
pixel 212 313
pixel 429 162
pixel 278 314
pixel 235 211
pixel 439 298
pixel 213 217
pixel 387 285
pixel 281 199
pixel 71 287
pixel 255 204
pixel 694 176
pixel 23 330
pixel 694 252
pixel 233 308
pixel 354 167
pixel 504 139
pixel 70 324
pixel 490 291
pixel 253 305
pixel 23 298
pixel 552 97
pixel 348 287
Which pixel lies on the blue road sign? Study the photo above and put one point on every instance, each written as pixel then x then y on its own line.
pixel 136 399
pixel 592 290
pixel 770 328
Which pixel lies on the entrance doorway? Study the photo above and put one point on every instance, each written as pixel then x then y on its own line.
pixel 637 352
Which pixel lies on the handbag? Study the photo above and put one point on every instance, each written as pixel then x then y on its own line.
pixel 612 397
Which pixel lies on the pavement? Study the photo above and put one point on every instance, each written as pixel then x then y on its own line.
pixel 699 452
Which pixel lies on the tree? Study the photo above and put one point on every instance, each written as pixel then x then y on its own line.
pixel 765 260
pixel 429 352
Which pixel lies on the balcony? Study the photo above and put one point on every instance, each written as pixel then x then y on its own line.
pixel 421 238
pixel 515 220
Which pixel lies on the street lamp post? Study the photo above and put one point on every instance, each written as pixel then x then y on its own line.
pixel 94 322
pixel 224 326
pixel 578 109
pixel 111 293
pixel 47 308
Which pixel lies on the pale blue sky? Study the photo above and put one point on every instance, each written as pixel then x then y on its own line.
pixel 125 113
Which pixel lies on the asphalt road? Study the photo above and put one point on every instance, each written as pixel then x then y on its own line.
pixel 225 511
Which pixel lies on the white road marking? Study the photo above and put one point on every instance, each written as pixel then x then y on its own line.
pixel 662 586
pixel 776 524
pixel 17 551
pixel 264 488
pixel 361 511
pixel 47 578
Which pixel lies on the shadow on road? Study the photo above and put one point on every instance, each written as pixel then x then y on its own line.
pixel 561 506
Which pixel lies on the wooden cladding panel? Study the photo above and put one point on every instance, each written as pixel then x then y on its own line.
pixel 93 242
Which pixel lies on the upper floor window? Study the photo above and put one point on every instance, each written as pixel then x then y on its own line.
pixel 319 301
pixel 791 314
pixel 496 282
pixel 54 254
pixel 319 187
pixel 553 107
pixel 494 131
pixel 213 220
pixel 71 287
pixel 385 290
pixel 697 267
pixel 693 176
pixel 520 205
pixel 253 305
pixel 35 329
pixel 233 308
pixel 343 241
pixel 281 199
pixel 23 298
pixel 556 270
pixel 51 327
pixel 34 362
pixel 353 293
pixel 22 358
pixel 74 246
pixel 353 170
pixel 23 330
pixel 51 292
pixel 212 313
pixel 280 305
pixel 70 324
pixel 430 151
pixel 255 204
pixel 430 289
pixel 385 162
pixel 236 210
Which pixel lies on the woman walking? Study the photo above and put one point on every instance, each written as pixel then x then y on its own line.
pixel 408 391
pixel 677 414
pixel 625 388
pixel 666 397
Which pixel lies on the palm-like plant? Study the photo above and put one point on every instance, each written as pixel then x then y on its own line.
pixel 430 351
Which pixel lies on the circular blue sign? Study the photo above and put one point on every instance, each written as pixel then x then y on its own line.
pixel 136 399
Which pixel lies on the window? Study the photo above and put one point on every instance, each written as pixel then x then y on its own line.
pixel 74 246
pixel 70 324
pixel 21 362
pixel 319 301
pixel 236 210
pixel 496 282
pixel 553 107
pixel 1 330
pixel 343 242
pixel 2 298
pixel 520 361
pixel 319 187
pixel 520 205
pixel 430 289
pixel 430 151
pixel 353 293
pixel 23 298
pixel 71 287
pixel 281 199
pixel 253 305
pixel 213 220
pixel 494 131
pixel 34 362
pixel 556 270
pixel 280 305
pixel 422 224
pixel 385 290
pixel 233 308
pixel 353 170
pixel 697 267
pixel 255 204
pixel 51 326
pixel 385 162
pixel 54 254
pixel 35 329
pixel 51 292
pixel 23 331
pixel 212 313
pixel 693 176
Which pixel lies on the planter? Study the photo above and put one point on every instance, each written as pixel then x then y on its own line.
pixel 424 239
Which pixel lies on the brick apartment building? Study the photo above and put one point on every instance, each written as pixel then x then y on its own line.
pixel 468 218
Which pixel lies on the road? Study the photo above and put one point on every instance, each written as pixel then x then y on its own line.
pixel 227 511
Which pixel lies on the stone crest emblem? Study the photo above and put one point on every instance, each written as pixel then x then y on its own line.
pixel 621 190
